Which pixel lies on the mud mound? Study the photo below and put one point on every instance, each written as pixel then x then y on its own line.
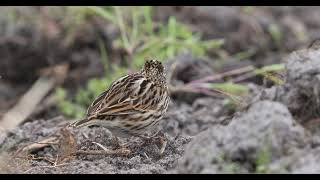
pixel 265 126
pixel 134 163
pixel 181 121
pixel 301 92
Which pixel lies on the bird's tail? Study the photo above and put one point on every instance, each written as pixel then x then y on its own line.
pixel 80 123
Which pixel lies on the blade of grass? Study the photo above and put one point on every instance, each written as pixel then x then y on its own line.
pixel 230 87
pixel 270 68
pixel 103 13
pixel 104 56
pixel 120 20
pixel 135 25
pixel 148 19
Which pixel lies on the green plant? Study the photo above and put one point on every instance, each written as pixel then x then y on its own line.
pixel 93 88
pixel 276 33
pixel 232 88
pixel 66 107
pixel 269 70
pixel 231 167
pixel 84 96
pixel 234 93
pixel 227 165
pixel 140 38
pixel 263 160
pixel 245 54
pixel 248 9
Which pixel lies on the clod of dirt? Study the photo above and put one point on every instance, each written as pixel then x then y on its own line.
pixel 266 127
pixel 301 92
pixel 134 163
pixel 303 69
pixel 303 161
pixel 143 159
pixel 181 121
pixel 186 119
pixel 303 73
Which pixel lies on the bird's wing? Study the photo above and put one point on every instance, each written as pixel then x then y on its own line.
pixel 128 95
pixel 96 103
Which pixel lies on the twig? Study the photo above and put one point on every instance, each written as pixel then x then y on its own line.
pixel 209 92
pixel 38 145
pixel 42 158
pixel 46 104
pixel 122 152
pixel 199 85
pixel 30 100
pixel 225 74
pixel 27 103
pixel 312 122
pixel 100 145
pixel 244 77
pixel 200 88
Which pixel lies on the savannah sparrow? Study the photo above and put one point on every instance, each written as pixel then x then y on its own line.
pixel 133 104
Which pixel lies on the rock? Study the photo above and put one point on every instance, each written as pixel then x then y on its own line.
pixel 266 126
pixel 303 69
pixel 303 74
pixel 304 161
pixel 203 152
pixel 191 120
pixel 308 162
pixel 266 123
pixel 301 91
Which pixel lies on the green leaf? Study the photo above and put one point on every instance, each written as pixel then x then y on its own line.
pixel 275 32
pixel 103 13
pixel 172 25
pixel 60 93
pixel 104 56
pixel 270 68
pixel 244 54
pixel 148 19
pixel 140 37
pixel 213 44
pixel 230 87
pixel 263 160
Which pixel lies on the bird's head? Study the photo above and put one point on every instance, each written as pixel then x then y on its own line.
pixel 154 71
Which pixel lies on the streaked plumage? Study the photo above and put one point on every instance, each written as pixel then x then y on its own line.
pixel 133 104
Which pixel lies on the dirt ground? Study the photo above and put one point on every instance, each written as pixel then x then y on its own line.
pixel 275 131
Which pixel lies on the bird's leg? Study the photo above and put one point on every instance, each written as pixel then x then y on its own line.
pixel 162 140
pixel 163 144
pixel 159 137
pixel 106 151
pixel 148 138
pixel 115 141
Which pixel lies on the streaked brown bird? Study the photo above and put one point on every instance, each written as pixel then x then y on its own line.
pixel 133 105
